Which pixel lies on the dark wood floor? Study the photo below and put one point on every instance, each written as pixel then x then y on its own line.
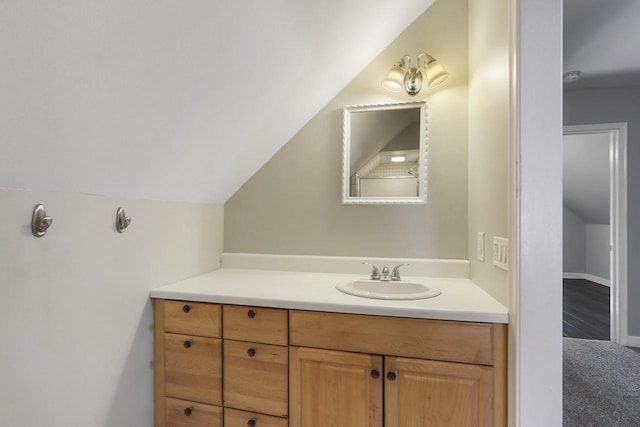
pixel 585 310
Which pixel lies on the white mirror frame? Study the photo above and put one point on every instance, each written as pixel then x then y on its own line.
pixel 421 199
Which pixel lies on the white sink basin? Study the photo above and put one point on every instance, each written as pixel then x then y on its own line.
pixel 377 289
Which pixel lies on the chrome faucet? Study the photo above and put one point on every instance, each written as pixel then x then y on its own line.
pixel 385 276
pixel 375 273
pixel 395 274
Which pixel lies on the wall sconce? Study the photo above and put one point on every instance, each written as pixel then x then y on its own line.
pixel 403 75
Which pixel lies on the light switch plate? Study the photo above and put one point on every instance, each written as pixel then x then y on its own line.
pixel 501 253
pixel 480 250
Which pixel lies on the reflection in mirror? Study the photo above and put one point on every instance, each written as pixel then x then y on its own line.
pixel 384 150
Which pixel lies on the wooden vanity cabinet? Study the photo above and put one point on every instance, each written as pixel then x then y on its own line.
pixel 256 360
pixel 336 388
pixel 265 367
pixel 432 373
pixel 210 375
pixel 187 364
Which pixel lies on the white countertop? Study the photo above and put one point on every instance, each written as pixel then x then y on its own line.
pixel 461 299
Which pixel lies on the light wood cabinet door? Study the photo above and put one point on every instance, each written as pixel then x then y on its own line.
pixel 437 394
pixel 334 388
pixel 256 377
pixel 193 368
pixel 182 413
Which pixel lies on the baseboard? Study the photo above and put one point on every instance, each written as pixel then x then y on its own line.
pixel 589 277
pixel 633 341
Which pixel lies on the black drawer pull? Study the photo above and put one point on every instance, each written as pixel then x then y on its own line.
pixel 188 411
pixel 375 374
pixel 251 314
pixel 187 344
pixel 252 422
pixel 186 308
pixel 391 376
pixel 251 352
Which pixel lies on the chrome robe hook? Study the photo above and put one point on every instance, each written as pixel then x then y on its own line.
pixel 122 220
pixel 40 222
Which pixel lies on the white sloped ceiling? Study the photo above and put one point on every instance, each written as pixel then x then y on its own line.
pixel 601 40
pixel 172 100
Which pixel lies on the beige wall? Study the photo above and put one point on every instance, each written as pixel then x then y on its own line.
pixel 488 139
pixel 75 312
pixel 292 205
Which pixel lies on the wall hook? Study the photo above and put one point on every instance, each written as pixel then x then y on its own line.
pixel 40 222
pixel 122 220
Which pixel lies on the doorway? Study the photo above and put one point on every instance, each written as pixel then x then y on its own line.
pixel 611 138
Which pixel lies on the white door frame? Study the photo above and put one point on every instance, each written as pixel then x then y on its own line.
pixel 618 218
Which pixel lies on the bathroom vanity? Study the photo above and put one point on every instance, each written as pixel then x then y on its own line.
pixel 308 355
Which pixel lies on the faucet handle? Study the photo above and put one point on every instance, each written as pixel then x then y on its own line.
pixel 395 273
pixel 375 273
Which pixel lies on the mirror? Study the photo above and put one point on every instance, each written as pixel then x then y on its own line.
pixel 385 154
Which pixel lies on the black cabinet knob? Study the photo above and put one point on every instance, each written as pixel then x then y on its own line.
pixel 391 376
pixel 251 314
pixel 187 344
pixel 251 352
pixel 188 411
pixel 186 308
pixel 252 422
pixel 375 374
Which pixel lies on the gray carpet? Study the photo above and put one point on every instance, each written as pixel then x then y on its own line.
pixel 601 384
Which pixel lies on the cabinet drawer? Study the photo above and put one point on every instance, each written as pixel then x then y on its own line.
pixel 420 338
pixel 193 368
pixel 182 413
pixel 256 377
pixel 235 418
pixel 255 324
pixel 192 318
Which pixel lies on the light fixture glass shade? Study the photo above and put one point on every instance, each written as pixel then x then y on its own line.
pixel 394 82
pixel 436 73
